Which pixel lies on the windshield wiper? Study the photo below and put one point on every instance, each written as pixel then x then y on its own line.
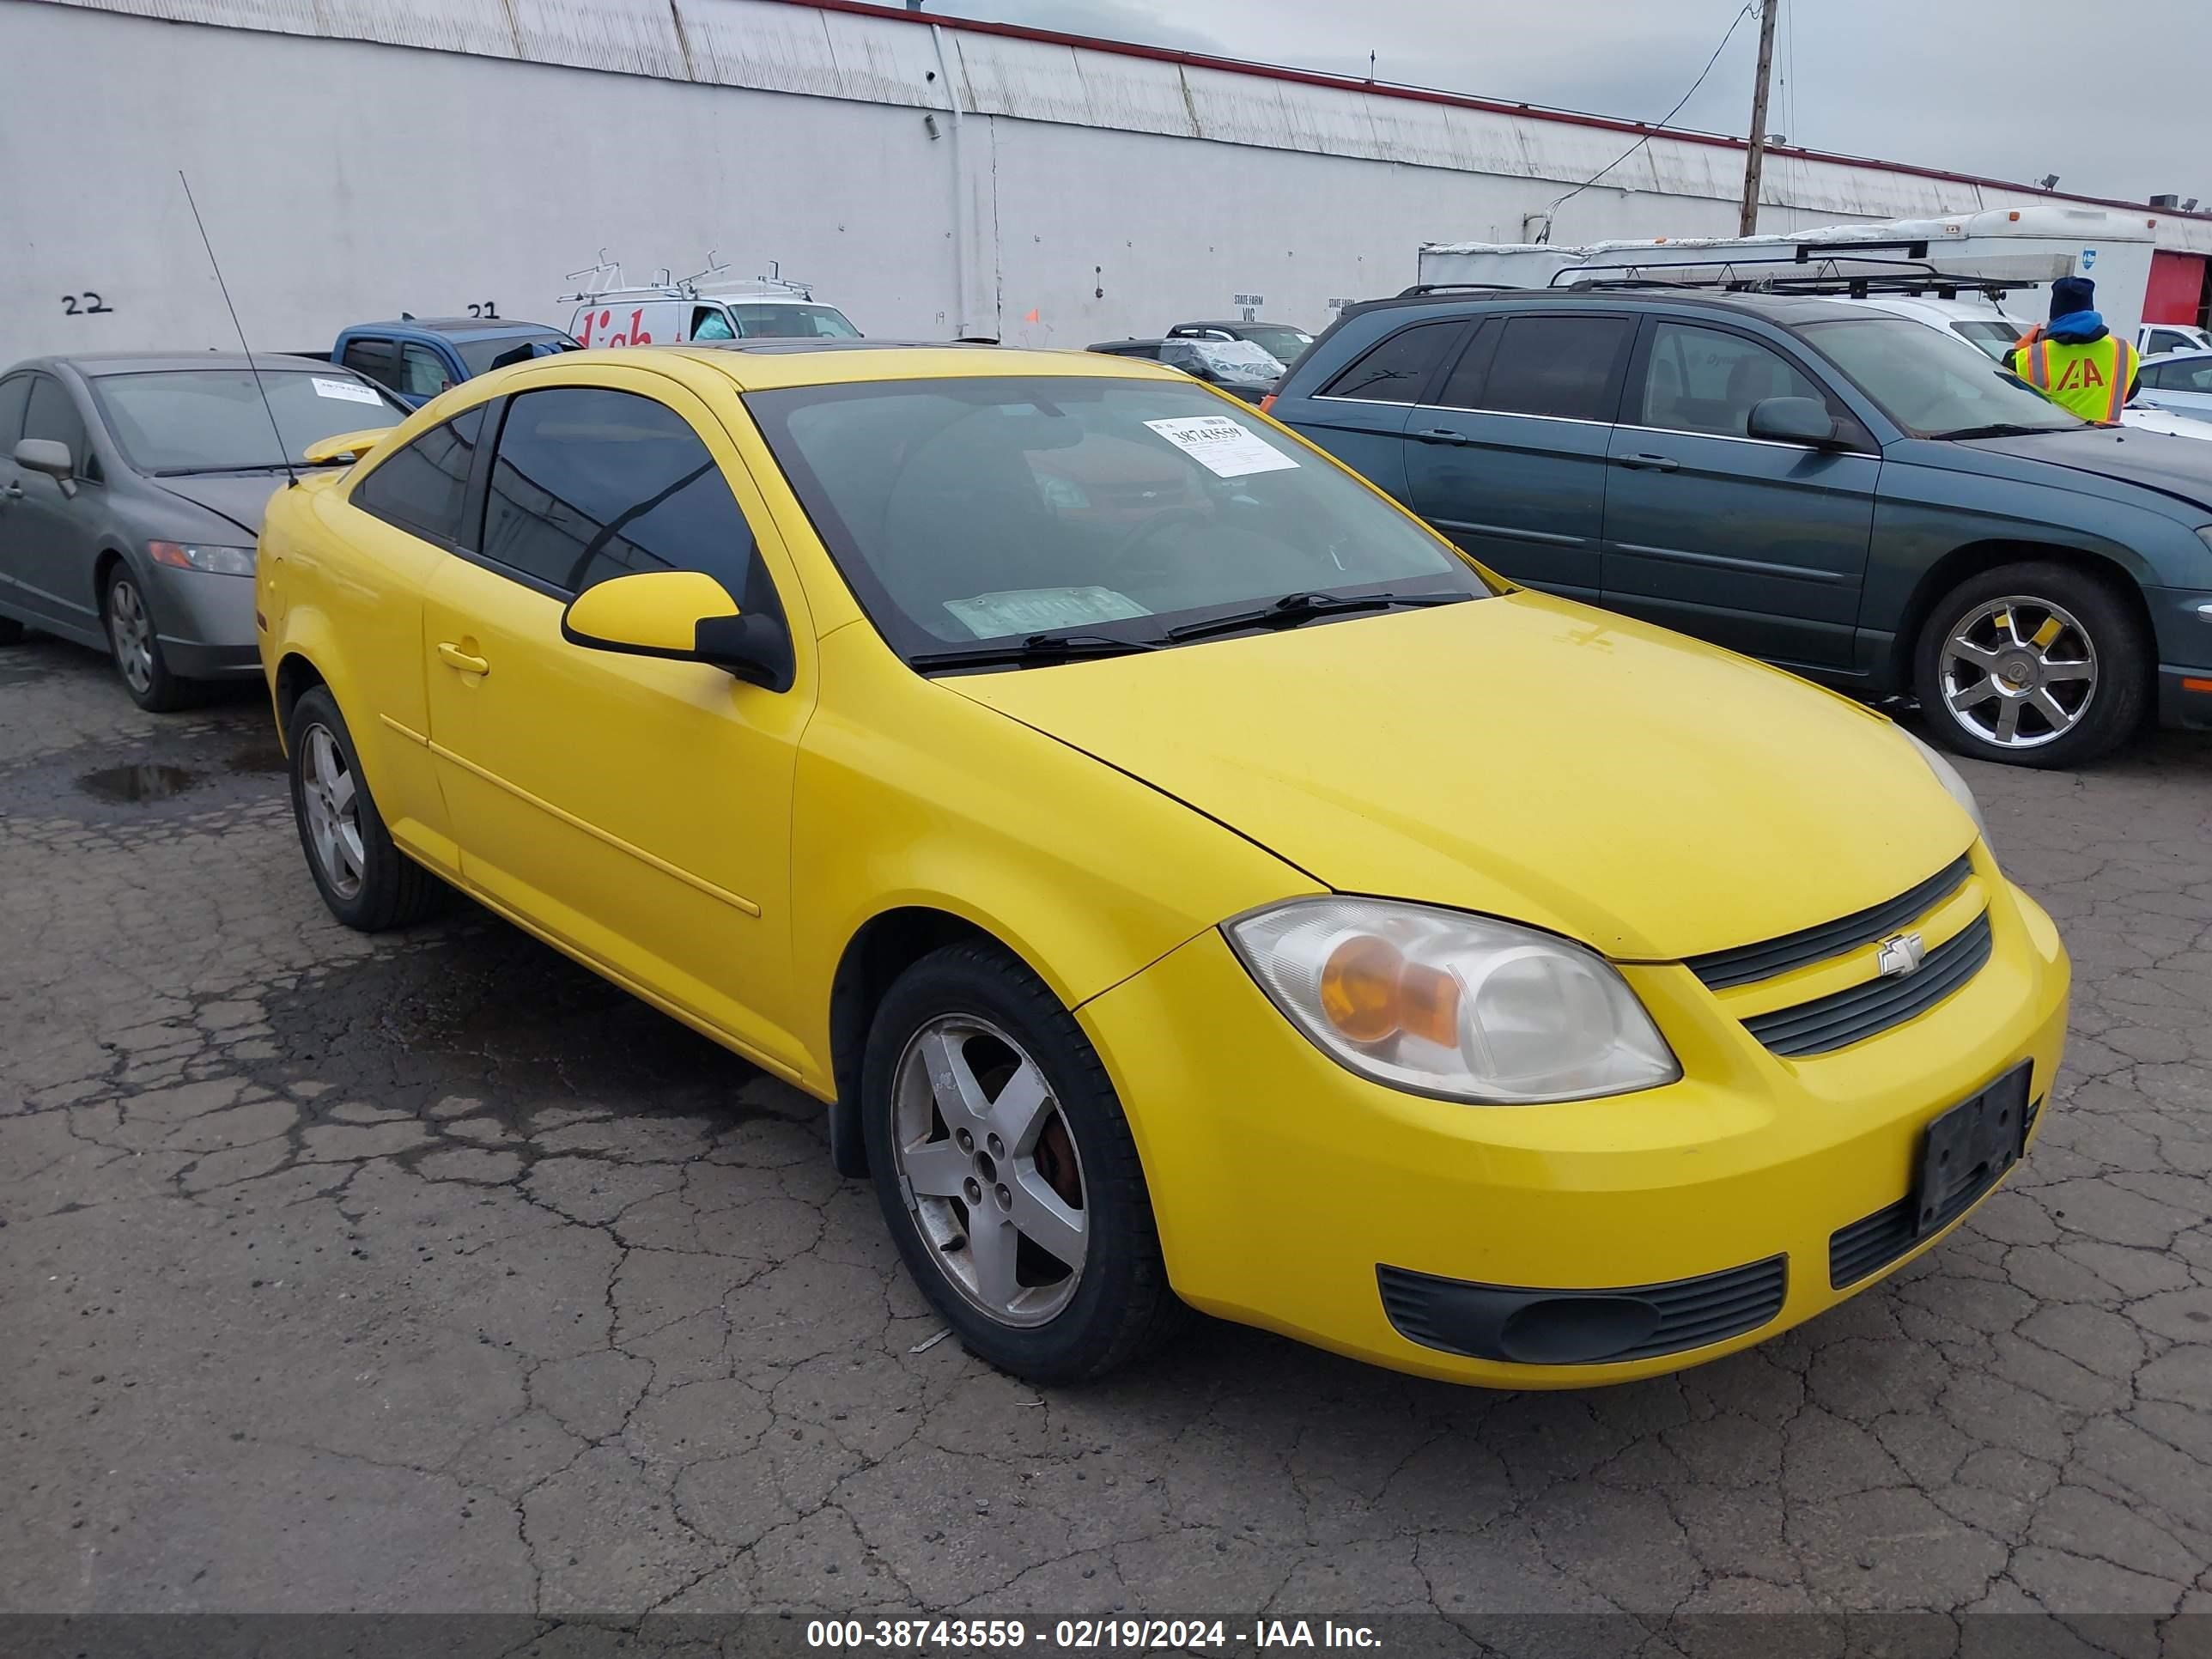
pixel 1295 608
pixel 1034 652
pixel 2004 430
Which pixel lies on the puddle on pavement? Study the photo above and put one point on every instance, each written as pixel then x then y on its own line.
pixel 263 755
pixel 134 784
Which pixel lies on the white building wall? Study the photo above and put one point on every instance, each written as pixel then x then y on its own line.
pixel 355 158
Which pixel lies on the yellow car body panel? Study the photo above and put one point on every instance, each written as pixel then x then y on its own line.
pixel 718 847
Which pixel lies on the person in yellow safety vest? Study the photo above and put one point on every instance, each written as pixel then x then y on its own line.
pixel 2074 359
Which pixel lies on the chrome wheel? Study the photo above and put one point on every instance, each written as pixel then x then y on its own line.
pixel 990 1169
pixel 130 631
pixel 332 805
pixel 2018 672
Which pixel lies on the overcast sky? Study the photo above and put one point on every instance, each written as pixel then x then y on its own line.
pixel 2111 97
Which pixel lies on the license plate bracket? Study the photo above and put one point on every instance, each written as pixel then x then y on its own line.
pixel 1968 1148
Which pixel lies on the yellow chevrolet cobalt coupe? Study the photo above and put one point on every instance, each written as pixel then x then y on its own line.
pixel 1186 878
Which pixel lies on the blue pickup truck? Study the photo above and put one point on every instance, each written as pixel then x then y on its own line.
pixel 416 358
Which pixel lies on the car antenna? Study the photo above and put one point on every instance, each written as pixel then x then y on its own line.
pixel 253 367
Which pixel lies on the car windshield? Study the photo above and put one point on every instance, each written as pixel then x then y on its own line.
pixel 791 322
pixel 1280 341
pixel 212 420
pixel 480 354
pixel 1237 360
pixel 1992 335
pixel 1933 385
pixel 1001 508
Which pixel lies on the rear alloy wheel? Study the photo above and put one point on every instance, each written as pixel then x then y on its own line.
pixel 136 647
pixel 1007 1171
pixel 367 881
pixel 2032 664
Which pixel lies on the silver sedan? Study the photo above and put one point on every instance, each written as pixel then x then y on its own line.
pixel 131 489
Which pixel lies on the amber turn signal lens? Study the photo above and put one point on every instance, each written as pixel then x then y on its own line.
pixel 1359 988
pixel 168 553
pixel 1369 991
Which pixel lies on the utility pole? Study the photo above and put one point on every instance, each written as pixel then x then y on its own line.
pixel 1747 220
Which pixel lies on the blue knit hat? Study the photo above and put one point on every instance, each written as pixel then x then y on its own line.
pixel 2072 293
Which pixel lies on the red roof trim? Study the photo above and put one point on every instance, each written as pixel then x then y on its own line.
pixel 1456 100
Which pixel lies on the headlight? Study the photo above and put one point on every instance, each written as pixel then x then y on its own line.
pixel 193 555
pixel 1947 775
pixel 1440 1003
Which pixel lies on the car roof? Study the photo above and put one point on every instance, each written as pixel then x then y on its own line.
pixel 762 365
pixel 1235 323
pixel 479 327
pixel 1784 309
pixel 94 364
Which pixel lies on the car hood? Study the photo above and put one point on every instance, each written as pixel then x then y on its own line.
pixel 2174 466
pixel 1523 756
pixel 242 498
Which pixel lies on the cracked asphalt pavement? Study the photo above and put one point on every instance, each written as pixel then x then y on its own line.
pixel 428 1272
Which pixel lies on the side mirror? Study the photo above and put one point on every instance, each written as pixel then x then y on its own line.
pixel 1792 420
pixel 48 455
pixel 682 615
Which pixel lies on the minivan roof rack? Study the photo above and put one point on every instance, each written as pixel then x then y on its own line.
pixel 1826 274
pixel 1419 288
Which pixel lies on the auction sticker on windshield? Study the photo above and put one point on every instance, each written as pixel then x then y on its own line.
pixel 1024 610
pixel 352 391
pixel 1226 448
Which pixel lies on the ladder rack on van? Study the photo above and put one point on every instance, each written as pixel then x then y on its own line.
pixel 1826 276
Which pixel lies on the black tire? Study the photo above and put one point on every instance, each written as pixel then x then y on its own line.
pixel 148 679
pixel 392 890
pixel 11 631
pixel 2119 697
pixel 1121 1305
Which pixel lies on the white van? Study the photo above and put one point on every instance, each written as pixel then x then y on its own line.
pixel 671 313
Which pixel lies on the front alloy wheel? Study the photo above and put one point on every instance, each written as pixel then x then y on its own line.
pixel 137 649
pixel 997 1187
pixel 1007 1171
pixel 2037 663
pixel 2019 672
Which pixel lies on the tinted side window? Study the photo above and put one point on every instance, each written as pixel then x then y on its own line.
pixel 375 359
pixel 1395 371
pixel 422 489
pixel 423 372
pixel 53 414
pixel 1559 366
pixel 589 483
pixel 14 393
pixel 1702 380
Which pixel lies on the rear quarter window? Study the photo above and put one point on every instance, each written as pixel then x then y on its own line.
pixel 1396 369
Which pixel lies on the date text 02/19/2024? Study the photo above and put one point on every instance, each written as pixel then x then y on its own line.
pixel 1082 1634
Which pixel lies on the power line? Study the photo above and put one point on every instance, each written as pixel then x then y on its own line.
pixel 1749 7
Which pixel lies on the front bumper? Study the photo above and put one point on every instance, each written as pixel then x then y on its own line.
pixel 2181 621
pixel 1284 1184
pixel 204 622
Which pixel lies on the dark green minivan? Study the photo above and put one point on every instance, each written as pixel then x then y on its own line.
pixel 1848 493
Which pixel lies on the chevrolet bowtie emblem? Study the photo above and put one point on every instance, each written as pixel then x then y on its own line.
pixel 1900 954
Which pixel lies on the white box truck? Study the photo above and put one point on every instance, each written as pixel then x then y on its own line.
pixel 2027 245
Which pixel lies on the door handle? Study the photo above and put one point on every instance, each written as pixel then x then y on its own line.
pixel 1647 463
pixel 1442 436
pixel 453 657
pixel 13 492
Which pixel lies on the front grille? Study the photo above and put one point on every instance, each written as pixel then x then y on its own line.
pixel 1749 962
pixel 1584 1327
pixel 1833 1022
pixel 1873 1242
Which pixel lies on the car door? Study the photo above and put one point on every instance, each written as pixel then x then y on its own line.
pixel 2183 386
pixel 14 398
pixel 1757 545
pixel 49 526
pixel 399 523
pixel 1359 415
pixel 636 811
pixel 1508 457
